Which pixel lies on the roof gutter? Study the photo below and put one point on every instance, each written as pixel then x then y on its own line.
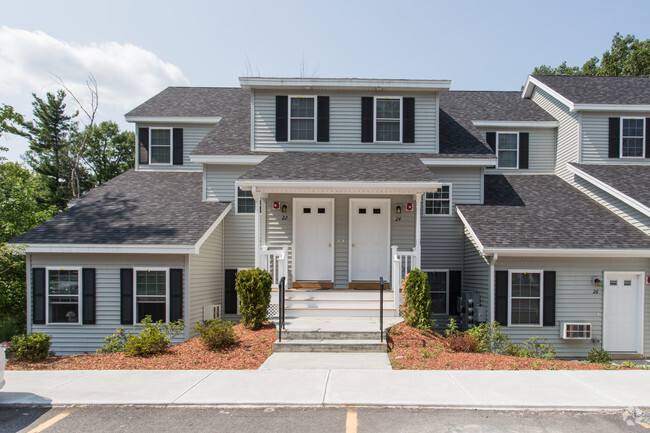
pixel 454 162
pixel 326 186
pixel 173 119
pixel 228 159
pixel 567 252
pixel 109 248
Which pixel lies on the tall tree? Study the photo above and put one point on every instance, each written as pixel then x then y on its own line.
pixel 108 152
pixel 10 122
pixel 627 56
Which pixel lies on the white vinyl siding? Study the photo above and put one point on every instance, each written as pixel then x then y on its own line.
pixel 68 339
pixel 567 132
pixel 220 181
pixel 345 125
pixel 239 241
pixel 541 151
pixel 192 135
pixel 476 270
pixel 595 138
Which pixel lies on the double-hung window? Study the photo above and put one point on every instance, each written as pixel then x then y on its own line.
pixel 160 146
pixel 302 115
pixel 439 202
pixel 633 137
pixel 508 149
pixel 388 119
pixel 245 201
pixel 439 283
pixel 151 294
pixel 526 295
pixel 63 300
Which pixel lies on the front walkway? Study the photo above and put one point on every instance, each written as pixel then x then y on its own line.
pixel 560 390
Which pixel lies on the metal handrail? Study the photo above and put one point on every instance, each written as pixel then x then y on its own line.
pixel 381 309
pixel 281 308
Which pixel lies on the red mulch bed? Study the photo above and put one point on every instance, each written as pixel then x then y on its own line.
pixel 412 349
pixel 250 352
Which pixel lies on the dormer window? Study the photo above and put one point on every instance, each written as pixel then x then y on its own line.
pixel 160 146
pixel 302 114
pixel 388 119
pixel 633 137
pixel 508 149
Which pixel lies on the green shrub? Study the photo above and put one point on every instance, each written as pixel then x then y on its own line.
pixel 417 301
pixel 32 347
pixel 538 347
pixel 10 326
pixel 459 341
pixel 490 338
pixel 155 337
pixel 599 356
pixel 254 289
pixel 216 334
pixel 115 343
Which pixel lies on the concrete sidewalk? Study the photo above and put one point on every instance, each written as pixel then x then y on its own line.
pixel 584 390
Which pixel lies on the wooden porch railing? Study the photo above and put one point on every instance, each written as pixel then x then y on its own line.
pixel 276 262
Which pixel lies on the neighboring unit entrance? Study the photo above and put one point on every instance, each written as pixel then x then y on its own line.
pixel 369 239
pixel 313 239
pixel 623 309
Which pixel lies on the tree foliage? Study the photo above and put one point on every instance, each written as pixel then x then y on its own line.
pixel 108 152
pixel 10 122
pixel 627 57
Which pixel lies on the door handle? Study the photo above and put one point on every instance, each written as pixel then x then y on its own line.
pixel 329 245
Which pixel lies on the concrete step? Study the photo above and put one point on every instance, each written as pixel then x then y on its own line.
pixel 339 304
pixel 338 346
pixel 330 335
pixel 338 312
pixel 346 295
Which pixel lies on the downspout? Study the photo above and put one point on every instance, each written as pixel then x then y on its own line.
pixel 495 257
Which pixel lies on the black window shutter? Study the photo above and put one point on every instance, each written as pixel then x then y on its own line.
pixel 491 138
pixel 175 294
pixel 367 119
pixel 523 150
pixel 143 148
pixel 501 297
pixel 230 300
pixel 323 125
pixel 281 118
pixel 38 296
pixel 178 146
pixel 408 131
pixel 549 299
pixel 647 137
pixel 89 295
pixel 455 286
pixel 614 137
pixel 126 296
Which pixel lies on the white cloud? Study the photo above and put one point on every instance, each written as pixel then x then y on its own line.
pixel 126 75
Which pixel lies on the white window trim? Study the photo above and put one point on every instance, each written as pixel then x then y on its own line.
pixel 237 203
pixel 508 150
pixel 446 313
pixel 135 292
pixel 451 203
pixel 401 118
pixel 620 149
pixel 541 297
pixel 289 118
pixel 79 294
pixel 171 146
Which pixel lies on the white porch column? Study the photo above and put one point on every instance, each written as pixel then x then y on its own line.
pixel 258 228
pixel 418 230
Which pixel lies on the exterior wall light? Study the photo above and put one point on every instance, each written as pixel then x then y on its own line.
pixel 398 209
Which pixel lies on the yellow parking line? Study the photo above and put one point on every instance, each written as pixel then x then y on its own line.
pixel 351 421
pixel 49 423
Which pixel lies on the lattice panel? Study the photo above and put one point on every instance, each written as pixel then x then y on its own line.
pixel 273 310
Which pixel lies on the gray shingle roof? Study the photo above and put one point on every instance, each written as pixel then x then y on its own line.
pixel 546 212
pixel 140 208
pixel 631 180
pixel 192 102
pixel 600 90
pixel 351 167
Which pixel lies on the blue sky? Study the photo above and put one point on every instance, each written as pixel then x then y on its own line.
pixel 137 48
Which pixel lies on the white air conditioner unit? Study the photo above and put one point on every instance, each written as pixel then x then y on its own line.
pixel 576 331
pixel 211 312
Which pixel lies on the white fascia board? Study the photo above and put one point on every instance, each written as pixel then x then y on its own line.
pixel 532 82
pixel 109 248
pixel 212 228
pixel 610 107
pixel 195 120
pixel 528 124
pixel 454 162
pixel 567 252
pixel 610 190
pixel 343 83
pixel 286 186
pixel 470 230
pixel 228 159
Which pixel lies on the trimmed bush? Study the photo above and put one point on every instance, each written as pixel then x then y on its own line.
pixel 114 343
pixel 490 338
pixel 32 347
pixel 216 334
pixel 155 337
pixel 254 289
pixel 417 309
pixel 538 347
pixel 599 356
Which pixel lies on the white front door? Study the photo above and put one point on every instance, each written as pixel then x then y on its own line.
pixel 313 239
pixel 369 239
pixel 623 310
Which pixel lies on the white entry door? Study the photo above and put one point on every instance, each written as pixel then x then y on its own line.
pixel 313 239
pixel 623 309
pixel 369 239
